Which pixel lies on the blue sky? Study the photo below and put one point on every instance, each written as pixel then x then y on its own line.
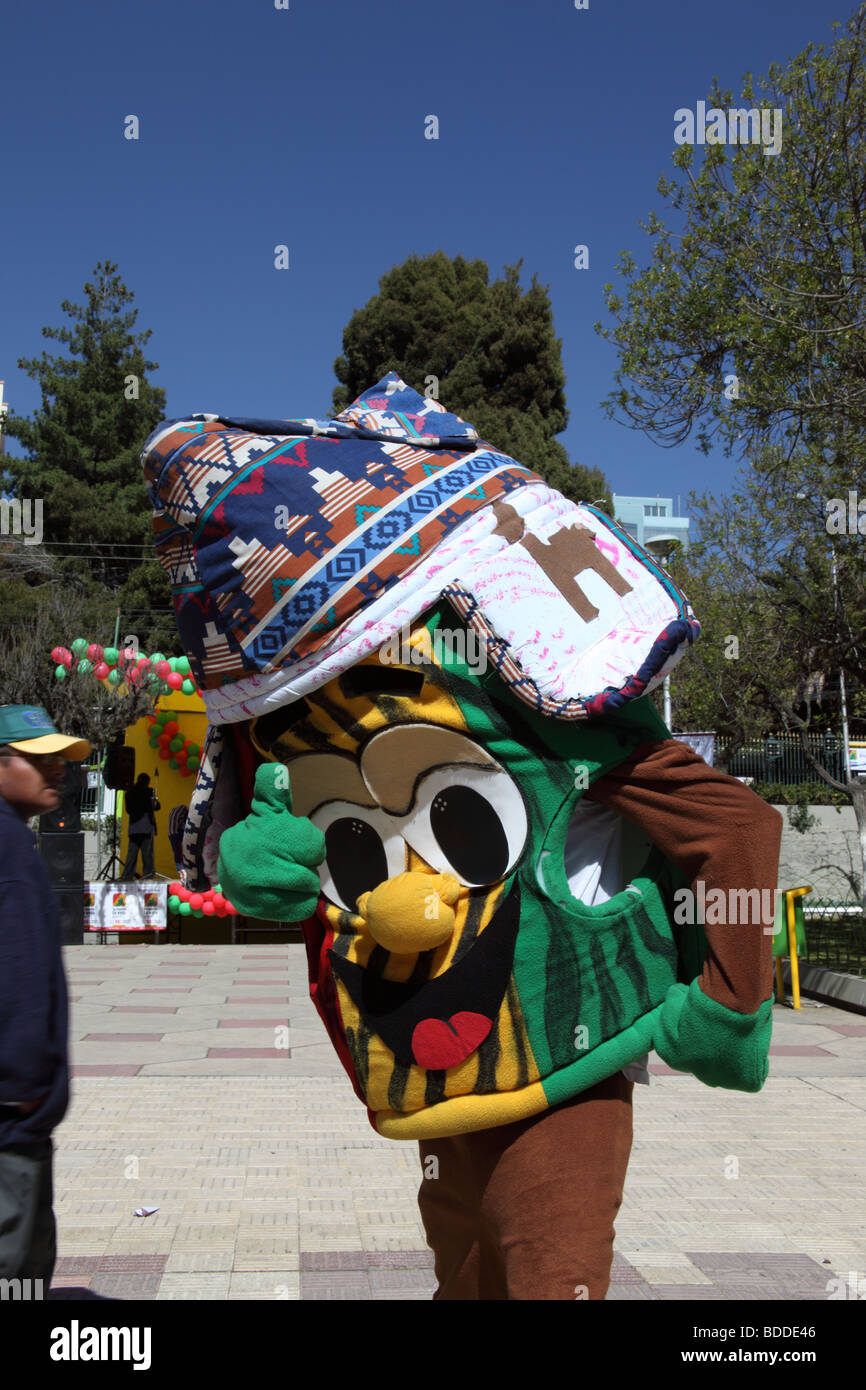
pixel 305 126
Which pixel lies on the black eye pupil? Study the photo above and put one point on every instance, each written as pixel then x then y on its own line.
pixel 356 858
pixel 470 834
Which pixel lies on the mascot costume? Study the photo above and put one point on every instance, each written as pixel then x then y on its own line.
pixel 431 744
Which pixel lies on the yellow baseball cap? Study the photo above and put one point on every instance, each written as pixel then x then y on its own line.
pixel 28 729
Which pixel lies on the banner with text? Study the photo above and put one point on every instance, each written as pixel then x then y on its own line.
pixel 139 906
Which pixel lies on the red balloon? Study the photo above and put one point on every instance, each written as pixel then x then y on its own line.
pixel 100 670
pixel 196 901
pixel 171 727
pixel 176 888
pixel 165 753
pixel 175 680
pixel 208 908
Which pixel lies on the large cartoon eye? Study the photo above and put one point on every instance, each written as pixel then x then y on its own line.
pixel 362 849
pixel 468 821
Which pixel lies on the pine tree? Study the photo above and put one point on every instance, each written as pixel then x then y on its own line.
pixel 82 456
pixel 487 351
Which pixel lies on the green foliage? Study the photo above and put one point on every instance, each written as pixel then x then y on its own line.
pixel 79 705
pixel 491 348
pixel 82 455
pixel 763 275
pixel 803 794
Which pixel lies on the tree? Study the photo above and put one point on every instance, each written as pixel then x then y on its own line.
pixel 748 325
pixel 80 705
pixel 83 446
pixel 487 351
pixel 794 598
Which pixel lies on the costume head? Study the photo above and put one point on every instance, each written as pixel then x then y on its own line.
pixel 440 654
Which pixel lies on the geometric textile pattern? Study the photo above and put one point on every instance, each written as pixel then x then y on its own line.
pixel 274 533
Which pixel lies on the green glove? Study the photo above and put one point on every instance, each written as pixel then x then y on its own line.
pixel 717 1045
pixel 268 862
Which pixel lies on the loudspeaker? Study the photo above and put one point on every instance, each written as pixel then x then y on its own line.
pixel 70 914
pixel 66 818
pixel 119 771
pixel 63 857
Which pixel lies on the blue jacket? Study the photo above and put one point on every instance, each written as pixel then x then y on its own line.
pixel 33 1000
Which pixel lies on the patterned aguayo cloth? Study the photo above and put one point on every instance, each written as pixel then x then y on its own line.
pixel 295 548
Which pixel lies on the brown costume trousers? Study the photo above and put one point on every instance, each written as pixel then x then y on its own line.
pixel 526 1211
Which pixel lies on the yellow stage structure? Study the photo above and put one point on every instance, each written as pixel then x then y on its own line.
pixel 171 788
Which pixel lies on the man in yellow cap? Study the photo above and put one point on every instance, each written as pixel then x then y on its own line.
pixel 34 1077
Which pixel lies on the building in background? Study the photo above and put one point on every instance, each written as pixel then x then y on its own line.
pixel 652 523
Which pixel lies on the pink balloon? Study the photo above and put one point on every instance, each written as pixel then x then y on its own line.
pixel 175 680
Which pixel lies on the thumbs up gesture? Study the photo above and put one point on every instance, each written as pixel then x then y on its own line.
pixel 268 862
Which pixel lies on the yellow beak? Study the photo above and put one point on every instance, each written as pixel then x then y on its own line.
pixel 412 912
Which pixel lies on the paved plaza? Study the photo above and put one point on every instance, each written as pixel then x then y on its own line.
pixel 204 1085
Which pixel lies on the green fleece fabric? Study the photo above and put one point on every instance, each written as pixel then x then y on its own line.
pixel 717 1045
pixel 268 862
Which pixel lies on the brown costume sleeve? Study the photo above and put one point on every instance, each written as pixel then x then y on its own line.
pixel 713 828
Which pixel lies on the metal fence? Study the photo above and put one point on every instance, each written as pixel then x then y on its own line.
pixel 780 758
pixel 835 935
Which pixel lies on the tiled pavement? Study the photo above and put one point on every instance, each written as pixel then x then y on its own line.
pixel 204 1085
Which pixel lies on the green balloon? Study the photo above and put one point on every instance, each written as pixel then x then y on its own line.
pixel 173 903
pixel 78 646
pixel 182 665
pixel 172 762
pixel 193 750
pixel 114 677
pixel 109 656
pixel 157 656
pixel 188 687
pixel 85 666
pixel 176 743
pixel 185 909
pixel 60 673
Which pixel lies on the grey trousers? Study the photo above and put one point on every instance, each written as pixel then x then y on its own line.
pixel 136 843
pixel 28 1242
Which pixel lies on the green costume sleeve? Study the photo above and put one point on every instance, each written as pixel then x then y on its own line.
pixel 717 1045
pixel 267 863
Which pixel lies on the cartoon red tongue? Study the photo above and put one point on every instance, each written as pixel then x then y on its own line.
pixel 438 1045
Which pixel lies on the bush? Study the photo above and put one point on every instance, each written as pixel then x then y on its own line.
pixel 801 795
